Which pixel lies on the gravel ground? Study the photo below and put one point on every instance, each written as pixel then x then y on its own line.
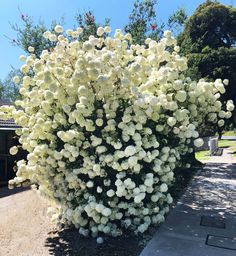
pixel 25 230
pixel 24 224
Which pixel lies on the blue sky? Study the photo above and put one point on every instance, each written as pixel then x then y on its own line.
pixel 49 10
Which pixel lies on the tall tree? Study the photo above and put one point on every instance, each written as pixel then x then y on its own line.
pixel 30 33
pixel 1 89
pixel 143 22
pixel 89 24
pixel 8 89
pixel 177 20
pixel 209 41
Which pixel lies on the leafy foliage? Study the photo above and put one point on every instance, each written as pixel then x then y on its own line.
pixel 88 22
pixel 31 34
pixel 208 41
pixel 1 89
pixel 143 22
pixel 177 20
pixel 8 89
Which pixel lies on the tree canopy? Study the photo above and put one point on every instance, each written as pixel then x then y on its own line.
pixel 8 89
pixel 143 22
pixel 209 41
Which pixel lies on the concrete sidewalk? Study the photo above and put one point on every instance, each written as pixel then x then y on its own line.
pixel 228 137
pixel 204 221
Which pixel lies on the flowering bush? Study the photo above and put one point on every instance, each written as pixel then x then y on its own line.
pixel 105 123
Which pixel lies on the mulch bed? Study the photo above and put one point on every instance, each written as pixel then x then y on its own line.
pixel 69 242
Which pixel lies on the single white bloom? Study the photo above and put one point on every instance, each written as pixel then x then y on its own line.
pixel 99 240
pixel 13 150
pixel 58 29
pixel 31 49
pixel 130 150
pixel 107 29
pixel 181 96
pixel 22 58
pixel 100 31
pixel 16 79
pixel 163 187
pixel 221 123
pixel 171 121
pixel 198 142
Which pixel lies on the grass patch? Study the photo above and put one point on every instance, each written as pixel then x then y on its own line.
pixel 202 155
pixel 205 154
pixel 229 133
pixel 226 143
pixel 234 150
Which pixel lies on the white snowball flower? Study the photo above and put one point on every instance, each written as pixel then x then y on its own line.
pixel 221 123
pixel 89 184
pixel 110 193
pixel 107 29
pixel 171 121
pixel 100 31
pixel 198 142
pixel 163 188
pixel 58 29
pixel 31 49
pixel 130 150
pixel 16 79
pixel 167 33
pixel 106 212
pixel 99 122
pixel 226 82
pixel 100 240
pixel 79 30
pixel 22 58
pixel 13 150
pixel 181 96
pixel 230 106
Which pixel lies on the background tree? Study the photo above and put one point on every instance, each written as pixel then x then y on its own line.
pixel 177 20
pixel 209 41
pixel 31 34
pixel 1 89
pixel 89 24
pixel 8 89
pixel 143 22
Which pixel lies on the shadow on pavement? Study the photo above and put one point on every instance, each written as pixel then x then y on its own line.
pixel 5 191
pixel 214 189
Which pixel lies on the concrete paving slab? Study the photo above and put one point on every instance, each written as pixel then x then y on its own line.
pixel 179 245
pixel 212 193
pixel 226 137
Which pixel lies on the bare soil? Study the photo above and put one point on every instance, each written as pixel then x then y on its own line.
pixel 24 224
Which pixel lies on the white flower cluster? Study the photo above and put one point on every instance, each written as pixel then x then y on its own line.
pixel 105 123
